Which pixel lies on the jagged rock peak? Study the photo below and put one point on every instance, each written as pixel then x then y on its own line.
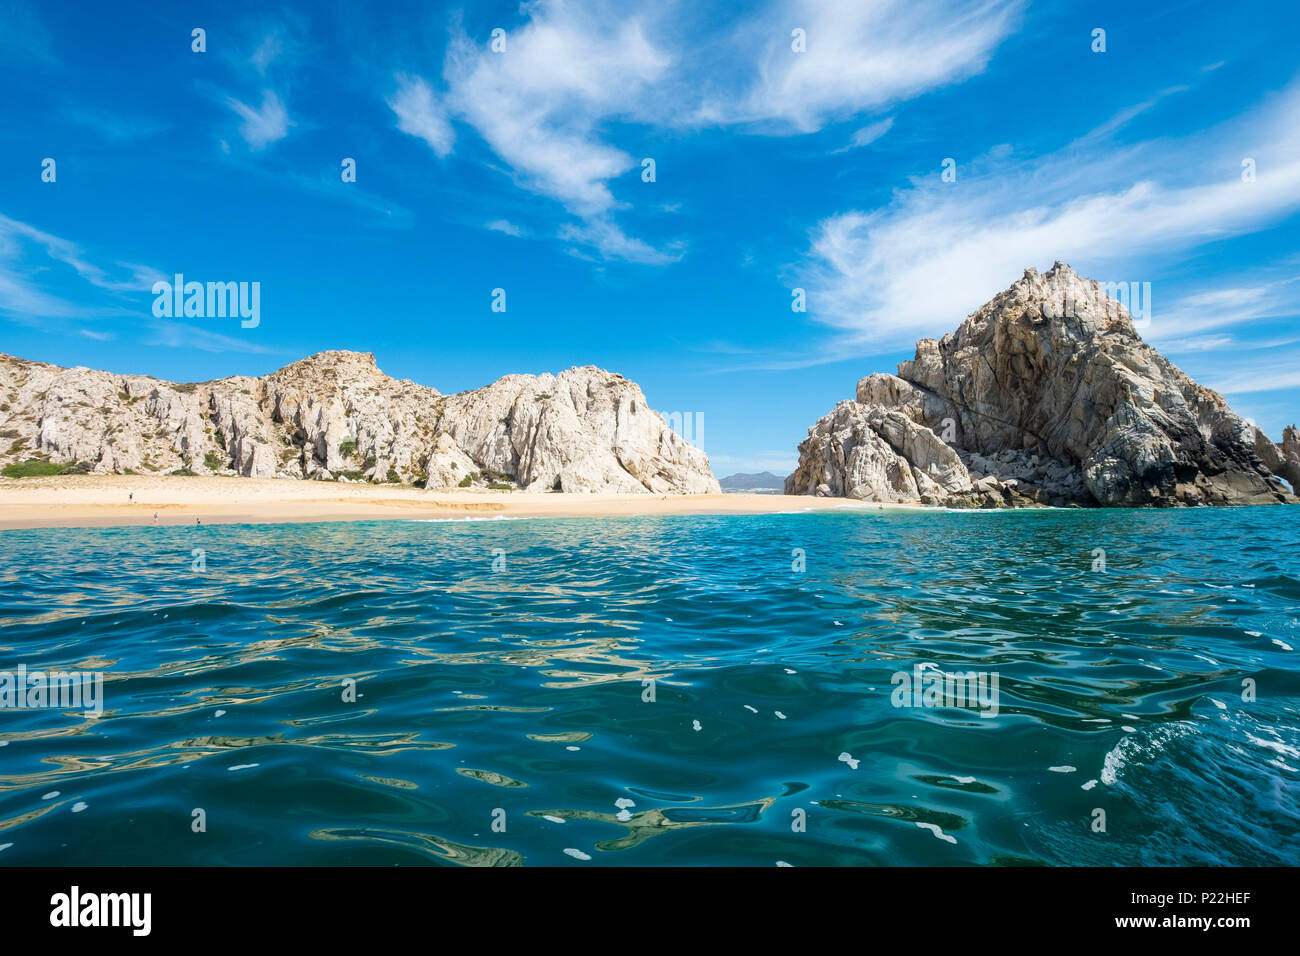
pixel 1047 395
pixel 334 357
pixel 1059 295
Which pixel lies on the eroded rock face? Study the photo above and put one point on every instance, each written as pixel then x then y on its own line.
pixel 580 431
pixel 1290 453
pixel 877 454
pixel 335 415
pixel 1048 395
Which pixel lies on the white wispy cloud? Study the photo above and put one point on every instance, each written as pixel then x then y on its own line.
pixel 421 114
pixel 1130 113
pixel 868 134
pixel 1220 342
pixel 180 335
pixel 22 301
pixel 27 254
pixel 1233 302
pixel 604 234
pixel 270 47
pixel 264 54
pixel 264 125
pixel 1261 377
pixel 539 106
pixel 939 250
pixel 139 277
pixel 546 104
pixel 858 56
pixel 503 225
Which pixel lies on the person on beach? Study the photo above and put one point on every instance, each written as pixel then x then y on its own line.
pixel 155 517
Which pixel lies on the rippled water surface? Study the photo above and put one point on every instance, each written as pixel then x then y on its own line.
pixel 515 697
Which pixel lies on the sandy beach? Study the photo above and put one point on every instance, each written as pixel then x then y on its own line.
pixel 107 500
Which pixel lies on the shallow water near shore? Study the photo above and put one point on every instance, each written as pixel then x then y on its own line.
pixel 503 671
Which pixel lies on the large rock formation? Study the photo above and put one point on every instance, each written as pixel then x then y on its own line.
pixel 336 416
pixel 1045 395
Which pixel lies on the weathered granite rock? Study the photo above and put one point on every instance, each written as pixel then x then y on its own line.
pixel 582 430
pixel 1049 390
pixel 876 454
pixel 336 416
pixel 1290 453
pixel 448 466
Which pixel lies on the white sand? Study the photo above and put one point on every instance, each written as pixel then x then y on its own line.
pixel 102 500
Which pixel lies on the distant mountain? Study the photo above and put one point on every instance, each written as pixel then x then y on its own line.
pixel 762 481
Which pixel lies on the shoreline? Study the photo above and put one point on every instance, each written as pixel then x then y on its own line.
pixel 103 501
pixel 86 501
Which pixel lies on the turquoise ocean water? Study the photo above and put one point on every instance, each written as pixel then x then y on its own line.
pixel 504 671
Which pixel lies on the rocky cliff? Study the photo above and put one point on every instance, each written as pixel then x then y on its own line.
pixel 335 415
pixel 1046 395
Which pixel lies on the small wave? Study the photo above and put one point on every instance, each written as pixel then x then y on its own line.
pixel 1139 747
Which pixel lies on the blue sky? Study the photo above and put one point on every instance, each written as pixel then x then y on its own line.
pixel 522 170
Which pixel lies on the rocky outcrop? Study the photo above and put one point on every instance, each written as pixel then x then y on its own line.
pixel 1289 449
pixel 1046 395
pixel 580 430
pixel 336 416
pixel 878 454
